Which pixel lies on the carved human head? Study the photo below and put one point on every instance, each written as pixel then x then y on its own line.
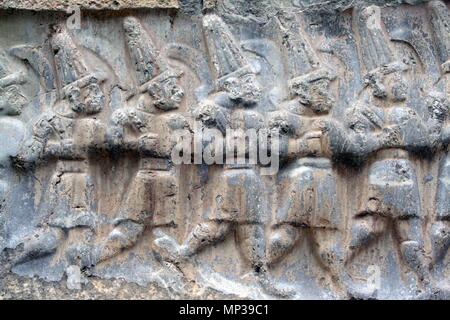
pixel 87 100
pixel 165 92
pixel 313 90
pixel 438 105
pixel 388 82
pixel 241 86
pixel 12 101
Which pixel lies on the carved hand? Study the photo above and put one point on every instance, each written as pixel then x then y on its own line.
pixel 64 148
pixel 149 143
pixel 389 137
pixel 210 115
pixel 30 153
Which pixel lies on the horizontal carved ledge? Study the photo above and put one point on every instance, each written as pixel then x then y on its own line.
pixel 62 5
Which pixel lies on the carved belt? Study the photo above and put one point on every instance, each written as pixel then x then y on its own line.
pixel 159 164
pixel 321 163
pixel 239 164
pixel 392 154
pixel 72 166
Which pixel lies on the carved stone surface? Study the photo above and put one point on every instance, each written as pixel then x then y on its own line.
pixel 116 179
pixel 86 4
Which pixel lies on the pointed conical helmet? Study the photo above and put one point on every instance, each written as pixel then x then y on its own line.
pixel 225 53
pixel 304 66
pixel 147 62
pixel 142 50
pixel 440 21
pixel 301 58
pixel 69 62
pixel 374 42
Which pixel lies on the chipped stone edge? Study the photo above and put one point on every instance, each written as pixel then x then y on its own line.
pixel 61 5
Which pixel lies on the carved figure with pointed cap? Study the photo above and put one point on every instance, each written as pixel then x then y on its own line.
pixel 12 131
pixel 440 109
pixel 67 133
pixel 306 189
pixel 236 195
pixel 393 192
pixel 146 125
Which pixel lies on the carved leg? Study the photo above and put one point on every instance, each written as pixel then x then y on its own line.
pixel 281 241
pixel 440 240
pixel 252 244
pixel 203 235
pixel 250 238
pixel 123 236
pixel 78 247
pixel 40 243
pixel 328 250
pixel 411 247
pixel 366 229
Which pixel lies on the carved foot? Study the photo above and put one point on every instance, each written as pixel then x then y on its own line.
pixel 122 237
pixel 274 288
pixel 167 248
pixel 440 240
pixel 412 254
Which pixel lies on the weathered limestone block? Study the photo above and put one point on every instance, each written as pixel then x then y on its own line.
pixel 225 149
pixel 86 4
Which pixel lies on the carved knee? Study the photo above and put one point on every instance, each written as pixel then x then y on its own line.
pixel 413 256
pixel 364 231
pixel 123 236
pixel 281 242
pixel 440 236
pixel 211 231
pixel 204 234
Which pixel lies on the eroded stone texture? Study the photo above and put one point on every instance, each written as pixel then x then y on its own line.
pixel 352 96
pixel 86 4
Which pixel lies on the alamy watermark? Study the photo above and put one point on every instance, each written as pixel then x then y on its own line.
pixel 374 279
pixel 73 22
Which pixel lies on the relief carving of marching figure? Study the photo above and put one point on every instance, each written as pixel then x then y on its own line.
pixel 440 21
pixel 67 134
pixel 307 200
pixel 145 125
pixel 236 197
pixel 133 162
pixel 392 193
pixel 12 131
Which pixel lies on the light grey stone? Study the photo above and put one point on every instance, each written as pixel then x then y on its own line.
pixel 96 110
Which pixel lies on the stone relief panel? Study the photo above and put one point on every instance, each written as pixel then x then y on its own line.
pixel 115 158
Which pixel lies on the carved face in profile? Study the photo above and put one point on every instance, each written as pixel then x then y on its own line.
pixel 166 94
pixel 397 88
pixel 314 95
pixel 392 87
pixel 88 100
pixel 244 88
pixel 11 101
